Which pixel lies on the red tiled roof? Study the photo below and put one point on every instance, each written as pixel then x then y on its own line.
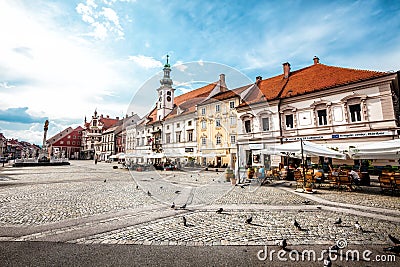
pixel 319 76
pixel 187 102
pixel 107 122
pixel 226 95
pixel 307 80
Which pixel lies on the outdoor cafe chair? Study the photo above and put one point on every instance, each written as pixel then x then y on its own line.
pixel 396 182
pixel 386 182
pixel 298 176
pixel 343 180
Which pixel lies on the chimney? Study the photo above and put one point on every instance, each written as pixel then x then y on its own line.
pixel 222 82
pixel 101 116
pixel 286 69
pixel 258 79
pixel 316 60
pixel 108 116
pixel 117 118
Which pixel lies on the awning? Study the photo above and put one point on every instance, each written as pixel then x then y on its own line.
pixel 377 150
pixel 308 149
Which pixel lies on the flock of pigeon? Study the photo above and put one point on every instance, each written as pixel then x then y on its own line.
pixel 283 244
pixel 334 249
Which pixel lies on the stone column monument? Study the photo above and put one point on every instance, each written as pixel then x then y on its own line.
pixel 44 156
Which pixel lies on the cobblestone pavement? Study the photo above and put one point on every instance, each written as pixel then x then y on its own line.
pixel 88 203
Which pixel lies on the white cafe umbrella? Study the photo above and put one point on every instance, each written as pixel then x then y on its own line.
pixel 309 149
pixel 377 150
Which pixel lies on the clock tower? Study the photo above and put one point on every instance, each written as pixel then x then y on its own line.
pixel 165 102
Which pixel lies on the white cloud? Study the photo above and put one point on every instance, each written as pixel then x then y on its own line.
pixel 146 62
pixel 6 85
pixel 180 66
pixel 103 20
pixel 62 74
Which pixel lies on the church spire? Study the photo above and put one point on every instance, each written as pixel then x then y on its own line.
pixel 165 92
pixel 166 81
pixel 167 65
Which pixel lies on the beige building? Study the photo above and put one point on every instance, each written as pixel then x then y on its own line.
pixel 337 107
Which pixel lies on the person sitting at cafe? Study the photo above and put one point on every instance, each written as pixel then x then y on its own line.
pixel 355 178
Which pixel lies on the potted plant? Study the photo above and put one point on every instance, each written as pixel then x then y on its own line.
pixel 250 172
pixel 228 174
pixel 308 187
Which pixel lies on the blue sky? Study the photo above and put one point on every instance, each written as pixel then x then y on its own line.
pixel 63 59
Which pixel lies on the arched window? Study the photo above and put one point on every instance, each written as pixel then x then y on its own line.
pixel 355 108
pixel 247 120
pixel 322 113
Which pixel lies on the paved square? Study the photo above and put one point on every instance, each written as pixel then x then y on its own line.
pixel 87 203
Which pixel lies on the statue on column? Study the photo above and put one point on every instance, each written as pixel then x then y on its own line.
pixel 44 155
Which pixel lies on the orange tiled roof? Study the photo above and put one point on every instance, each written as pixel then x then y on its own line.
pixel 319 76
pixel 107 122
pixel 226 95
pixel 307 80
pixel 187 102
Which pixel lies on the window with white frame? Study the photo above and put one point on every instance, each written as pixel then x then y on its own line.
pixel 203 124
pixel 218 140
pixel 233 120
pixel 289 121
pixel 189 123
pixel 247 126
pixel 203 111
pixel 168 138
pixel 217 122
pixel 167 127
pixel 355 112
pixel 231 104
pixel 265 124
pixel 203 140
pixel 322 117
pixel 233 139
pixel 217 108
pixel 178 137
pixel 178 125
pixel 190 136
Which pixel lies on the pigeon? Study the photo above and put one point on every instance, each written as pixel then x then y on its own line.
pixel 358 226
pixel 219 211
pixel 183 206
pixel 394 249
pixel 394 239
pixel 306 202
pixel 249 220
pixel 137 187
pixel 339 221
pixel 297 225
pixel 177 192
pixel 105 180
pixel 184 221
pixel 334 248
pixel 327 262
pixel 148 193
pixel 283 244
pixel 242 186
pixel 319 207
pixel 173 205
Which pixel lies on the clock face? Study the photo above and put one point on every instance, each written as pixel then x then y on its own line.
pixel 168 98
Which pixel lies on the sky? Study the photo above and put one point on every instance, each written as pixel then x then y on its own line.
pixel 62 59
